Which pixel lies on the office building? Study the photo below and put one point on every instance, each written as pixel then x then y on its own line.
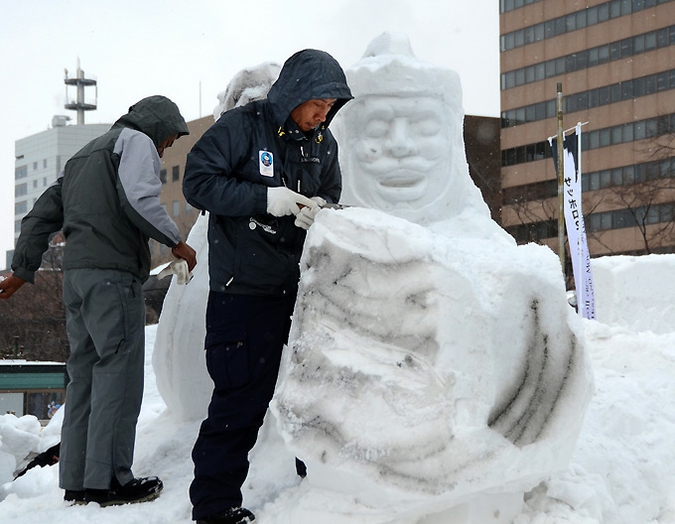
pixel 614 62
pixel 41 157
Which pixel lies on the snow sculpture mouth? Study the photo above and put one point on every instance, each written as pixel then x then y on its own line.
pixel 402 188
pixel 401 182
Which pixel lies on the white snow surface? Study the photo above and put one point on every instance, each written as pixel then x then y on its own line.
pixel 622 470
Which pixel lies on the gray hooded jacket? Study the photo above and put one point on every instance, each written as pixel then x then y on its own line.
pixel 107 198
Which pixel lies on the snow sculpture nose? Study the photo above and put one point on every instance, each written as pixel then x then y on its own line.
pixel 400 142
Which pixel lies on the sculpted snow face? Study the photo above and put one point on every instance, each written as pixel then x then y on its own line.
pixel 401 138
pixel 400 147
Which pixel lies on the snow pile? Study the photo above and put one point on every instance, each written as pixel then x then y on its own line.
pixel 636 292
pixel 428 372
pixel 179 360
pixel 621 472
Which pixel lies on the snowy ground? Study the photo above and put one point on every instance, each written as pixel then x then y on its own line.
pixel 623 470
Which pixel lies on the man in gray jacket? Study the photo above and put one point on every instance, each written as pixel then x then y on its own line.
pixel 107 203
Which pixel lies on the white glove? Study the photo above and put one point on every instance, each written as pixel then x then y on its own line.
pixel 305 218
pixel 281 201
pixel 180 269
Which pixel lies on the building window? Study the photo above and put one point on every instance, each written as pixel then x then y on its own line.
pixel 20 190
pixel 20 208
pixel 571 22
pixel 175 173
pixel 619 176
pixel 510 5
pixel 44 163
pixel 21 172
pixel 600 96
pixel 630 132
pixel 34 166
pixel 162 176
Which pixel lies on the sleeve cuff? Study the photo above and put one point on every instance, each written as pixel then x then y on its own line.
pixel 24 274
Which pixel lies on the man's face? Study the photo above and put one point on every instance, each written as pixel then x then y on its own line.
pixel 310 114
pixel 400 148
pixel 166 144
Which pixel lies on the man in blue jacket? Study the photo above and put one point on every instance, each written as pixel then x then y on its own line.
pixel 107 203
pixel 263 171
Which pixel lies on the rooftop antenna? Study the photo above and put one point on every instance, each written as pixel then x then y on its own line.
pixel 80 82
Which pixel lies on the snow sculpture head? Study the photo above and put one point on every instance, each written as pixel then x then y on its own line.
pixel 247 85
pixel 401 138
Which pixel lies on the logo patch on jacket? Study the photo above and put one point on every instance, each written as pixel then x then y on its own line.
pixel 266 163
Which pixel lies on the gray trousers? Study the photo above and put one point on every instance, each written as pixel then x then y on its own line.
pixel 105 322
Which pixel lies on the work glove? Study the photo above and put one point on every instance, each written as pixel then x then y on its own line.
pixel 305 218
pixel 180 269
pixel 281 201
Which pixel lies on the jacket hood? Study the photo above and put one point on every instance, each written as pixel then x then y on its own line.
pixel 156 116
pixel 308 75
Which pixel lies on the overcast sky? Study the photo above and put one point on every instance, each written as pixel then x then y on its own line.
pixel 189 51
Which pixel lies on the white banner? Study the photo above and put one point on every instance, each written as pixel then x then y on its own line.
pixel 574 221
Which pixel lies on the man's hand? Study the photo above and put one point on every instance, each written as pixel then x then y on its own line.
pixel 281 201
pixel 9 286
pixel 305 218
pixel 182 250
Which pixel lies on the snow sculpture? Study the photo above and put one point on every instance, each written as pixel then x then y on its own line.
pixel 178 358
pixel 401 138
pixel 249 84
pixel 434 367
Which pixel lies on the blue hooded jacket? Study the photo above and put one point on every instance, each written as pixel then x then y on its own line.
pixel 254 147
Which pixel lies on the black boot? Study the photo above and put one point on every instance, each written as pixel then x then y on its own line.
pixel 231 516
pixel 71 495
pixel 137 490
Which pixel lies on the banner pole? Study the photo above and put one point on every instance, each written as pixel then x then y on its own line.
pixel 561 181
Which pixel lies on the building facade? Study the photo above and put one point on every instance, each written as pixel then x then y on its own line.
pixel 41 157
pixel 615 62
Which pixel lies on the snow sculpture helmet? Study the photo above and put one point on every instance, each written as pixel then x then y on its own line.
pixel 251 83
pixel 401 138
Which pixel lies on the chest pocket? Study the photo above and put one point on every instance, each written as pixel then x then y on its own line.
pixel 307 166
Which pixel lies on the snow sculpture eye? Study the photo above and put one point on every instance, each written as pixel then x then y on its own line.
pixel 376 128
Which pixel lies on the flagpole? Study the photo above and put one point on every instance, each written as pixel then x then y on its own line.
pixel 561 181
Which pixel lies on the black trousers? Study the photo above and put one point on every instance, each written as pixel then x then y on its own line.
pixel 245 336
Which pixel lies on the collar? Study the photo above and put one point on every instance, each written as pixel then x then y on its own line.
pixel 291 131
